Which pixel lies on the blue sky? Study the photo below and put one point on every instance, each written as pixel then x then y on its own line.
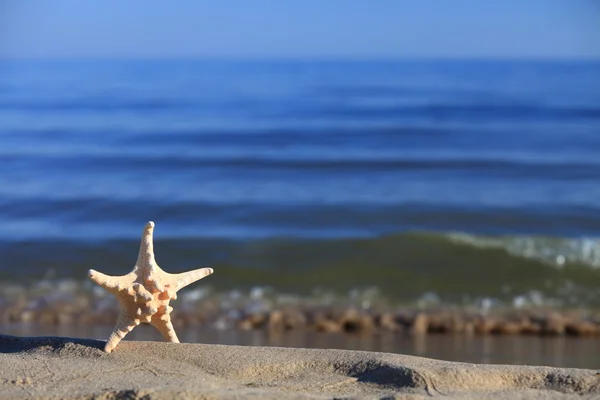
pixel 301 28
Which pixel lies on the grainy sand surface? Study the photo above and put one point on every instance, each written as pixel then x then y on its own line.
pixel 54 367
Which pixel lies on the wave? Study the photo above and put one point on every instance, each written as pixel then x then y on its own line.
pixel 456 267
pixel 429 109
pixel 248 137
pixel 487 112
pixel 91 104
pixel 102 217
pixel 347 163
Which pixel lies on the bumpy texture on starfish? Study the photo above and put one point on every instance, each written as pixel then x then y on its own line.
pixel 145 292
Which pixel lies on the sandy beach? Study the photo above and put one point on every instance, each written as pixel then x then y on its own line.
pixel 55 367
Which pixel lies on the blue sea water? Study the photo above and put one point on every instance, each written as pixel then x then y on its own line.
pixel 316 149
pixel 251 150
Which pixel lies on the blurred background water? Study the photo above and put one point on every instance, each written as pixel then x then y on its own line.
pixel 311 149
pixel 416 154
pixel 400 168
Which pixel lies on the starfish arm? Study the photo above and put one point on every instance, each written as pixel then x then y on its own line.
pixel 165 327
pixel 110 283
pixel 123 327
pixel 146 253
pixel 186 278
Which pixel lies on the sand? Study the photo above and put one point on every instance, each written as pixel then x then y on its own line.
pixel 54 367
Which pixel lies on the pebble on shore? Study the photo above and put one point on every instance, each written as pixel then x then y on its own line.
pixel 350 320
pixel 259 312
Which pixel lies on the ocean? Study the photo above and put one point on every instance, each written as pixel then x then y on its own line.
pixel 457 181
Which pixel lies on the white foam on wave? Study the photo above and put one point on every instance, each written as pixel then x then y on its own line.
pixel 552 251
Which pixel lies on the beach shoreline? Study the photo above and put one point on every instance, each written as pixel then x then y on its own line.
pixel 56 367
pixel 306 314
pixel 554 351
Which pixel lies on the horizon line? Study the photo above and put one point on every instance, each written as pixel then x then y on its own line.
pixel 303 58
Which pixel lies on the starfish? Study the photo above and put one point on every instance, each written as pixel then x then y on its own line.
pixel 144 293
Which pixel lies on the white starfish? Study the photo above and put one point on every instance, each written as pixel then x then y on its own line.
pixel 144 293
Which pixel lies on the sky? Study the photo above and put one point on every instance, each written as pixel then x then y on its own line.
pixel 299 29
